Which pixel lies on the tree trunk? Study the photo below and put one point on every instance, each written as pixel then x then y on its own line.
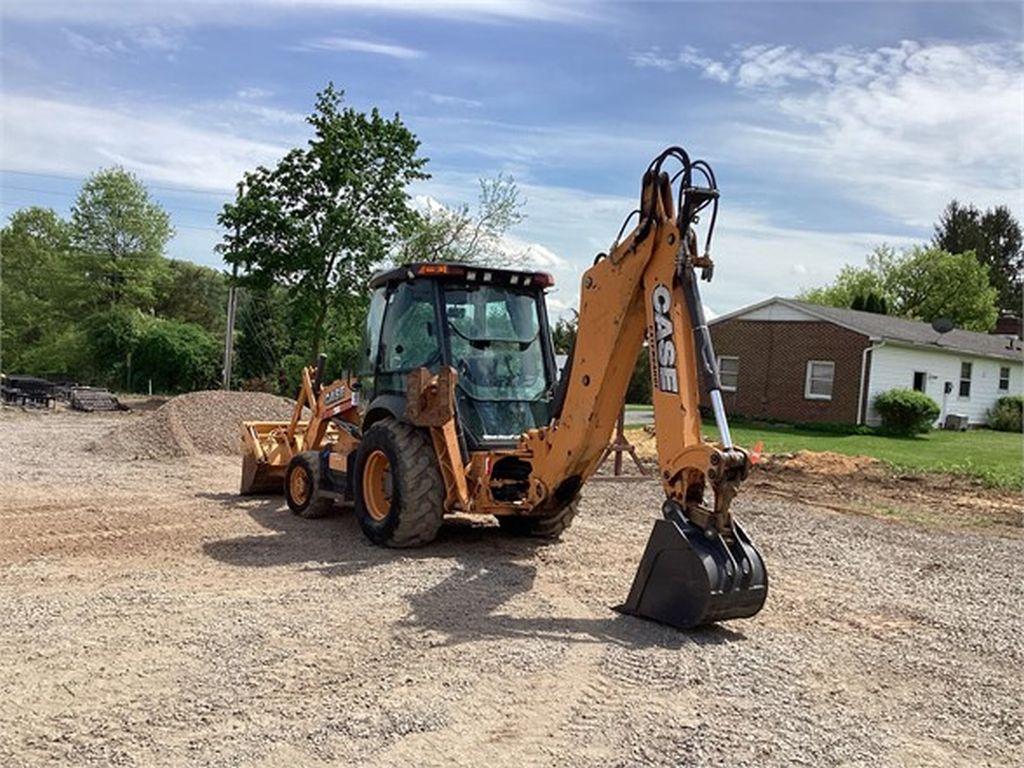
pixel 318 329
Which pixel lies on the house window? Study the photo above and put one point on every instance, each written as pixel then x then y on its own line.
pixel 920 377
pixel 965 380
pixel 1004 378
pixel 729 372
pixel 818 385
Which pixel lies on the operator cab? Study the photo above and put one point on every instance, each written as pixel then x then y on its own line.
pixel 490 325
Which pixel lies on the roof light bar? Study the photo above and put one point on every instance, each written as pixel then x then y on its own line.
pixel 438 269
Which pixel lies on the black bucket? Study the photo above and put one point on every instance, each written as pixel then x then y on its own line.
pixel 687 578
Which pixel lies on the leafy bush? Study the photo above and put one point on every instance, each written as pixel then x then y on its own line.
pixel 177 357
pixel 906 412
pixel 1007 415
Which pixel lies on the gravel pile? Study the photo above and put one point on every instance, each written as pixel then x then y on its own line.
pixel 192 424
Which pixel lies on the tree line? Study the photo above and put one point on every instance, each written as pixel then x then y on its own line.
pixel 94 298
pixel 970 272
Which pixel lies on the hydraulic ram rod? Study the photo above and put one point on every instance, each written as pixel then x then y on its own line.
pixel 707 363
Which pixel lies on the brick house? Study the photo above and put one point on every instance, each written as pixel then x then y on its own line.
pixel 788 360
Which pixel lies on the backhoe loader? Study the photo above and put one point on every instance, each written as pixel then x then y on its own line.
pixel 458 407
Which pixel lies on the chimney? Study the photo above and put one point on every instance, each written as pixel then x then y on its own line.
pixel 1008 324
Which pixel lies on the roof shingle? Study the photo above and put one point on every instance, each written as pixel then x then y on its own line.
pixel 900 330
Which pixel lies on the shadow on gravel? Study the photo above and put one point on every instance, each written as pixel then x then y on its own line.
pixel 465 606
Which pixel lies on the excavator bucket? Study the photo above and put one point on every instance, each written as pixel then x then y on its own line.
pixel 259 477
pixel 687 578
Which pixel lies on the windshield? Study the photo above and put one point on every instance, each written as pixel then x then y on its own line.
pixel 497 349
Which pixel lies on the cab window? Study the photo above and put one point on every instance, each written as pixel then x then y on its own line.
pixel 409 337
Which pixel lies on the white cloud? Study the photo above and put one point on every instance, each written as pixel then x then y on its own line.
pixel 148 39
pixel 253 92
pixel 687 57
pixel 446 100
pixel 904 128
pixel 755 257
pixel 51 136
pixel 357 45
pixel 523 145
pixel 256 11
pixel 85 44
pixel 153 38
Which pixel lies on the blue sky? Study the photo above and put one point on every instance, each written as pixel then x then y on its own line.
pixel 833 127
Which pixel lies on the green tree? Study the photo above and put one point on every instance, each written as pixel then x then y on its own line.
pixel 193 293
pixel 926 283
pixel 120 234
pixel 262 327
pixel 38 284
pixel 111 336
pixel 639 390
pixel 996 239
pixel 871 302
pixel 175 356
pixel 851 285
pixel 459 234
pixel 321 220
pixel 921 284
pixel 563 334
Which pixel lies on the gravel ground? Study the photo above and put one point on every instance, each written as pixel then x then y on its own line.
pixel 151 617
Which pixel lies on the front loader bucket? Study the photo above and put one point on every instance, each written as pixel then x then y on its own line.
pixel 259 477
pixel 687 579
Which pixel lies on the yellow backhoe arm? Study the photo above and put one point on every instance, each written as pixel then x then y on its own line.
pixel 646 287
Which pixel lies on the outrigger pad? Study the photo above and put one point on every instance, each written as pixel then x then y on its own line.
pixel 687 579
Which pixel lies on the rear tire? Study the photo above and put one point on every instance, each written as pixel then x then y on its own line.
pixel 302 485
pixel 540 527
pixel 399 493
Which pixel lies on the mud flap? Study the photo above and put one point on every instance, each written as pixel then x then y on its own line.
pixel 687 579
pixel 259 478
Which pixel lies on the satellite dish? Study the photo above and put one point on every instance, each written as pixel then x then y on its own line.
pixel 942 325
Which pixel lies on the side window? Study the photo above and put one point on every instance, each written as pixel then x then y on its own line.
pixel 920 381
pixel 729 372
pixel 409 338
pixel 371 333
pixel 1004 378
pixel 818 383
pixel 965 380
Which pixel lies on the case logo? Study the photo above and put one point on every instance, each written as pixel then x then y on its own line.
pixel 664 350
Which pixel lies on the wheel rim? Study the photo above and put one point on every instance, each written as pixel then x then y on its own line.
pixel 298 486
pixel 377 485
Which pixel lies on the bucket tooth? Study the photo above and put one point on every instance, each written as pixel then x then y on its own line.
pixel 686 578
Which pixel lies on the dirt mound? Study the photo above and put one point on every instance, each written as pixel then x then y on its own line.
pixel 192 424
pixel 824 462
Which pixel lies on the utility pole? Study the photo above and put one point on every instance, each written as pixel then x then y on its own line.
pixel 229 335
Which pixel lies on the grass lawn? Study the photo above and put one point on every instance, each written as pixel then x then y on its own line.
pixel 994 457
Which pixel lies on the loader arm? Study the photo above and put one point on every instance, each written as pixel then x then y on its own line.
pixel 646 288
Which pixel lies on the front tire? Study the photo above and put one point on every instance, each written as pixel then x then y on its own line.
pixel 550 526
pixel 399 493
pixel 302 485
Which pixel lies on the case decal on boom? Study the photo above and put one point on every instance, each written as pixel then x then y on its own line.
pixel 664 351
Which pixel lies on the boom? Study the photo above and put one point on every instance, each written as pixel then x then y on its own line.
pixel 646 287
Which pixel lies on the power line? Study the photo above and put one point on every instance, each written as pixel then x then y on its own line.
pixel 74 194
pixel 196 190
pixel 17 205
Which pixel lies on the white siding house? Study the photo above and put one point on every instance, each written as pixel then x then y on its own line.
pixel 893 365
pixel 767 348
